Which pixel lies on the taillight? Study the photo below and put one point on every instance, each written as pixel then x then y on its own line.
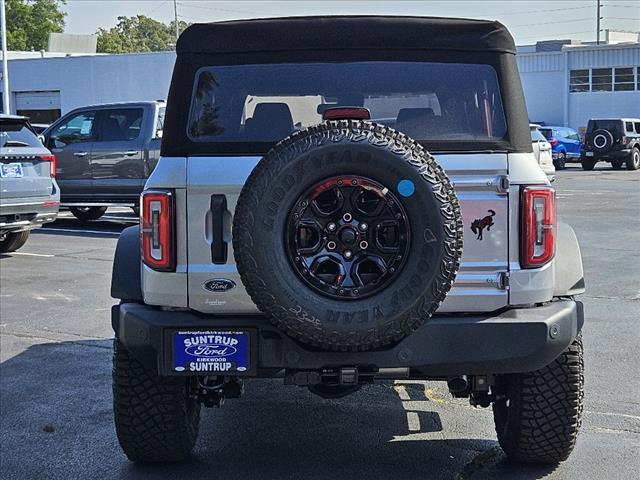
pixel 52 159
pixel 624 140
pixel 553 141
pixel 157 229
pixel 538 226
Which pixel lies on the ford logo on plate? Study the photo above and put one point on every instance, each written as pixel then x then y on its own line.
pixel 218 285
pixel 210 350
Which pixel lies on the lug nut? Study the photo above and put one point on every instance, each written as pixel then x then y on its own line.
pixel 348 254
pixel 363 227
pixel 331 227
pixel 347 217
pixel 364 245
pixel 331 245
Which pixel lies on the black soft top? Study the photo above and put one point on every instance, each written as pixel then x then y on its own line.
pixel 346 32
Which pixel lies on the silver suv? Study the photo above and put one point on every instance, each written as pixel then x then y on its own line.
pixel 29 195
pixel 359 204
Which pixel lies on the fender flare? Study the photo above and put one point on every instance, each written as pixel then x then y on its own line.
pixel 126 277
pixel 568 272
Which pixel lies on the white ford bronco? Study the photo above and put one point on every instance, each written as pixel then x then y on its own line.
pixel 341 200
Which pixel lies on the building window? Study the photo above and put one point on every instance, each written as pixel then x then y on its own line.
pixel 637 78
pixel 579 80
pixel 601 80
pixel 623 79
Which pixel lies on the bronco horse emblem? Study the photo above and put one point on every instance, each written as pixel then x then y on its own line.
pixel 480 224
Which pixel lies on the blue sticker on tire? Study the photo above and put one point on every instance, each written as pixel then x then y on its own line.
pixel 406 188
pixel 211 352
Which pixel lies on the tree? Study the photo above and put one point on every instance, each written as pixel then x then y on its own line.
pixel 138 34
pixel 29 23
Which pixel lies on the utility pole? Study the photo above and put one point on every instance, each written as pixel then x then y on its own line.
pixel 5 71
pixel 175 14
pixel 598 24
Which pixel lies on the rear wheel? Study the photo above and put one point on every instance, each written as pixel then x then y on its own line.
pixel 87 213
pixel 13 241
pixel 633 163
pixel 156 418
pixel 588 164
pixel 538 414
pixel 560 162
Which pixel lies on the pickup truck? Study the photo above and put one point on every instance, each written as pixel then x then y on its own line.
pixel 104 154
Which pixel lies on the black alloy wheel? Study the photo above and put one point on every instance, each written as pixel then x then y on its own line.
pixel 348 237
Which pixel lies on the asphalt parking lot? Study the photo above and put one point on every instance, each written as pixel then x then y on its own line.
pixel 55 375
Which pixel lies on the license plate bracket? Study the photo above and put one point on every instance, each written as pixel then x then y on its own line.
pixel 218 351
pixel 11 170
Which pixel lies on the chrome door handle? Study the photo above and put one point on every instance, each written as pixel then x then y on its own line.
pixel 80 154
pixel 131 153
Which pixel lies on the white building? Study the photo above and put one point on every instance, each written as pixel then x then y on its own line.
pixel 46 88
pixel 565 84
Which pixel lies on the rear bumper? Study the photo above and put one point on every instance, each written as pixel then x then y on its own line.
pixel 610 155
pixel 25 214
pixel 513 341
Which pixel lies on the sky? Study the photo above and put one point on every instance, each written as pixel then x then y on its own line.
pixel 528 21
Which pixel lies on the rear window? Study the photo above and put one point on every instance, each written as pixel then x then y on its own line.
pixel 547 133
pixel 537 136
pixel 614 126
pixel 17 134
pixel 265 103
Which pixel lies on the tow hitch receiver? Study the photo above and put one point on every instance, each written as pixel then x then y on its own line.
pixel 212 391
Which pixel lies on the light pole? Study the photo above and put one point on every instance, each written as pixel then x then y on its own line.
pixel 5 72
pixel 175 14
pixel 598 24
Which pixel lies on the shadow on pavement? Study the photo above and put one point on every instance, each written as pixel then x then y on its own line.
pixel 57 423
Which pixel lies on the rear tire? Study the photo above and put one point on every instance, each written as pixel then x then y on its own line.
pixel 13 241
pixel 560 162
pixel 588 164
pixel 633 162
pixel 538 418
pixel 156 418
pixel 86 214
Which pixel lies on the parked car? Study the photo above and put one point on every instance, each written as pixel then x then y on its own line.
pixel 615 140
pixel 105 154
pixel 286 234
pixel 29 195
pixel 565 144
pixel 542 151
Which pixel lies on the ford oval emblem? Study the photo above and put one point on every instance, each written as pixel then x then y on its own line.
pixel 218 285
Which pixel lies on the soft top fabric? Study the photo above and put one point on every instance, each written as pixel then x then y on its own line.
pixel 346 32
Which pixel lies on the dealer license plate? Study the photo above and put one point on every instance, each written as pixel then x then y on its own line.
pixel 11 170
pixel 211 352
pixel 589 154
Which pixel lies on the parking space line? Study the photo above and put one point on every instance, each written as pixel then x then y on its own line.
pixel 73 230
pixel 32 254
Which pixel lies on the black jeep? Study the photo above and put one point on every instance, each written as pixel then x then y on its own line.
pixel 615 140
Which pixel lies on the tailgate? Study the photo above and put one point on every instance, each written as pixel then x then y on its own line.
pixel 481 184
pixel 24 175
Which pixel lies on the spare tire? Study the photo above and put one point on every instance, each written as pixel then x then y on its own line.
pixel 348 235
pixel 601 140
